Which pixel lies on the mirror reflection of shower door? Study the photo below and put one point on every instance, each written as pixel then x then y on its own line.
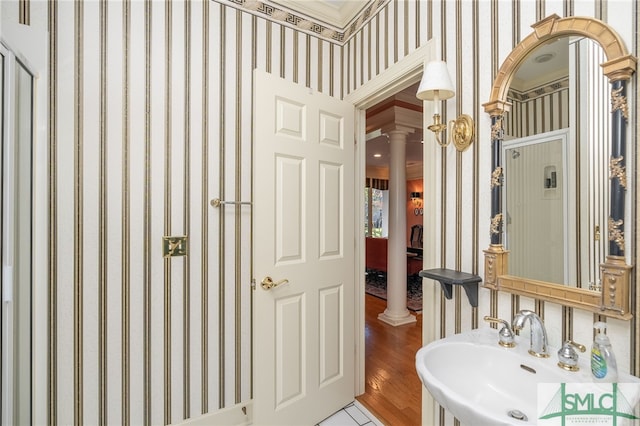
pixel 16 173
pixel 535 206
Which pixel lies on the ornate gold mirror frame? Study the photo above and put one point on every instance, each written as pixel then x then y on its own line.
pixel 614 298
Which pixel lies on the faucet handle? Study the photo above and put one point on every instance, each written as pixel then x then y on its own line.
pixel 505 335
pixel 568 357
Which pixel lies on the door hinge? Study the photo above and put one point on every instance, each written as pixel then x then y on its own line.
pixel 253 283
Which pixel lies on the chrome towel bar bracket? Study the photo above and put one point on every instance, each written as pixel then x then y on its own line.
pixel 216 202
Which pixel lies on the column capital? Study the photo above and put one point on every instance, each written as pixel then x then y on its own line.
pixel 396 129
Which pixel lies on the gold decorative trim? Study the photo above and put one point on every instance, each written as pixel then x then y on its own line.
pixel 563 295
pixel 496 223
pixel 495 264
pixel 619 65
pixel 619 102
pixel 621 68
pixel 496 177
pixel 615 277
pixel 615 233
pixel 497 131
pixel 618 171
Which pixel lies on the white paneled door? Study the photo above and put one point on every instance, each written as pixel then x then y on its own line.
pixel 303 216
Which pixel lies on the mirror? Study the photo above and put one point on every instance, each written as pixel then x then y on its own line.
pixel 613 298
pixel 555 175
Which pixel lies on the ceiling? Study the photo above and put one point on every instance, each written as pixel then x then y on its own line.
pixel 336 13
pixel 546 63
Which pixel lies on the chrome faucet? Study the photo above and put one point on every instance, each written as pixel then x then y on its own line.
pixel 505 335
pixel 568 357
pixel 539 342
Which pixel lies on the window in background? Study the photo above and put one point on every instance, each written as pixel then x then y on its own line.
pixel 376 212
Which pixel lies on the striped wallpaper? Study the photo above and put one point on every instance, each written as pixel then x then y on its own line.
pixel 538 114
pixel 150 116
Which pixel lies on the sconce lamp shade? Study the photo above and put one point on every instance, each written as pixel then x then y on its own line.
pixel 415 195
pixel 436 83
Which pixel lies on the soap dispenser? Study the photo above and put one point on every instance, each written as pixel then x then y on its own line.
pixel 603 362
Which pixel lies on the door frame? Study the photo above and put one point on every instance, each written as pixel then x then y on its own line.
pixel 399 75
pixel 30 46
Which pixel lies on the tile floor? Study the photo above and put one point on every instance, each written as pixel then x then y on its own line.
pixel 353 414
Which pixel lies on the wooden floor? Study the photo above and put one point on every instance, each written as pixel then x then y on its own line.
pixel 393 389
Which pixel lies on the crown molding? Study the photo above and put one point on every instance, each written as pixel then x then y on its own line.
pixel 319 20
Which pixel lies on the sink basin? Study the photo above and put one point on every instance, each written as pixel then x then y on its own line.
pixel 482 383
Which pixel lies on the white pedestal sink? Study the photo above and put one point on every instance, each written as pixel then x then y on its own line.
pixel 482 383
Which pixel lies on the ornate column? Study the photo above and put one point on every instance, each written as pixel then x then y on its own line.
pixel 396 312
pixel 615 272
pixel 496 257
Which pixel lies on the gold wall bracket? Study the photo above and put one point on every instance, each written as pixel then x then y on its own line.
pixel 461 131
pixel 174 246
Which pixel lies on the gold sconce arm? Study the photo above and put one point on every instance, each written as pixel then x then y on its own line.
pixel 461 131
pixel 438 127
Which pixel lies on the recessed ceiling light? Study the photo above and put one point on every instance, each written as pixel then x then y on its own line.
pixel 377 155
pixel 545 57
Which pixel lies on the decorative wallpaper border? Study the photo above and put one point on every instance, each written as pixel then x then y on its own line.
pixel 545 89
pixel 309 25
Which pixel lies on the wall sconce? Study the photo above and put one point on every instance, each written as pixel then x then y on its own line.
pixel 436 86
pixel 416 198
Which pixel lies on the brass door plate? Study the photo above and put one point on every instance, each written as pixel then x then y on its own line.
pixel 174 246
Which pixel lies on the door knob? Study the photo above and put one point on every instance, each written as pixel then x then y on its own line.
pixel 267 283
